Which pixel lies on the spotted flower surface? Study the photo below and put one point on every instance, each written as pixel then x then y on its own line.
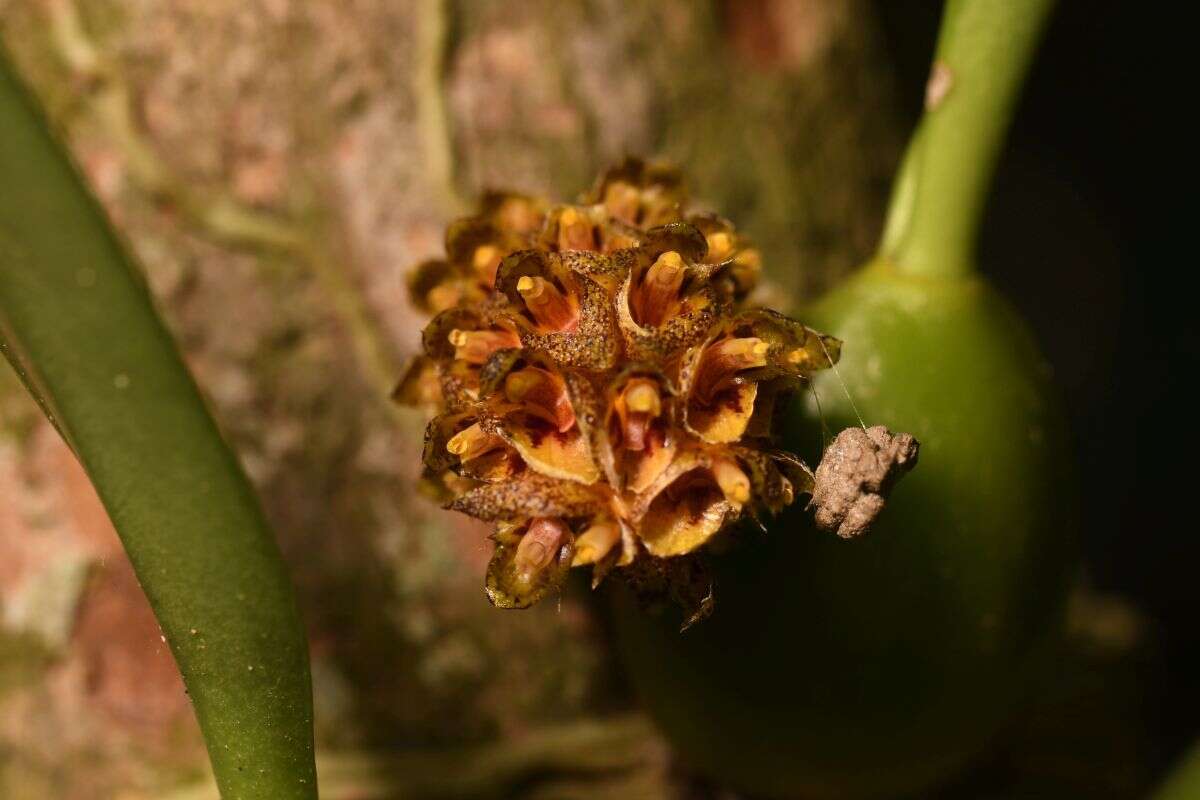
pixel 603 393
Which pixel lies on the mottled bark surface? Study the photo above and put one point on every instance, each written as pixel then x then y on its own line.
pixel 277 166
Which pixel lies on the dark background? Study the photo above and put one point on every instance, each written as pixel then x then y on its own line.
pixel 1077 236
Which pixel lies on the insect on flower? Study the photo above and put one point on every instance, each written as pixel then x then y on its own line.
pixel 604 393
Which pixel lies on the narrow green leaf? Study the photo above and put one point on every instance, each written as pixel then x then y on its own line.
pixel 77 323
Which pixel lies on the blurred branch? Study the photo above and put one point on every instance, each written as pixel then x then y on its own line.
pixel 433 118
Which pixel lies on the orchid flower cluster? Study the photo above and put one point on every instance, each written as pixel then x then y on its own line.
pixel 604 392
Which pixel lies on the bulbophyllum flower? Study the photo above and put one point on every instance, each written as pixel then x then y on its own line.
pixel 602 394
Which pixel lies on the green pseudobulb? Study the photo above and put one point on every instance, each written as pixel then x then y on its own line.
pixel 876 667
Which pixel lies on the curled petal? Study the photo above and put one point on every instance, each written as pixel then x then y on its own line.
pixel 683 509
pixel 726 419
pixel 796 350
pixel 729 250
pixel 697 313
pixel 512 212
pixel 635 446
pixel 524 572
pixel 719 399
pixel 640 193
pixel 675 525
pixel 641 469
pixel 720 364
pixel 435 455
pixel 770 487
pixel 437 285
pixel 420 386
pixel 475 246
pixel 543 394
pixel 680 237
pixel 563 455
pixel 470 334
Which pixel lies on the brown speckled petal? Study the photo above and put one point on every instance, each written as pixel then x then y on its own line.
pixel 528 495
pixel 591 346
pixel 589 410
pixel 729 250
pixel 796 349
pixel 607 269
pixel 440 430
pixel 494 371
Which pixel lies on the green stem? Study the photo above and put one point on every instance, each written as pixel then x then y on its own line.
pixel 983 52
pixel 78 324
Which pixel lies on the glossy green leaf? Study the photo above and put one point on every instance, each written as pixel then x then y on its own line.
pixel 78 325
